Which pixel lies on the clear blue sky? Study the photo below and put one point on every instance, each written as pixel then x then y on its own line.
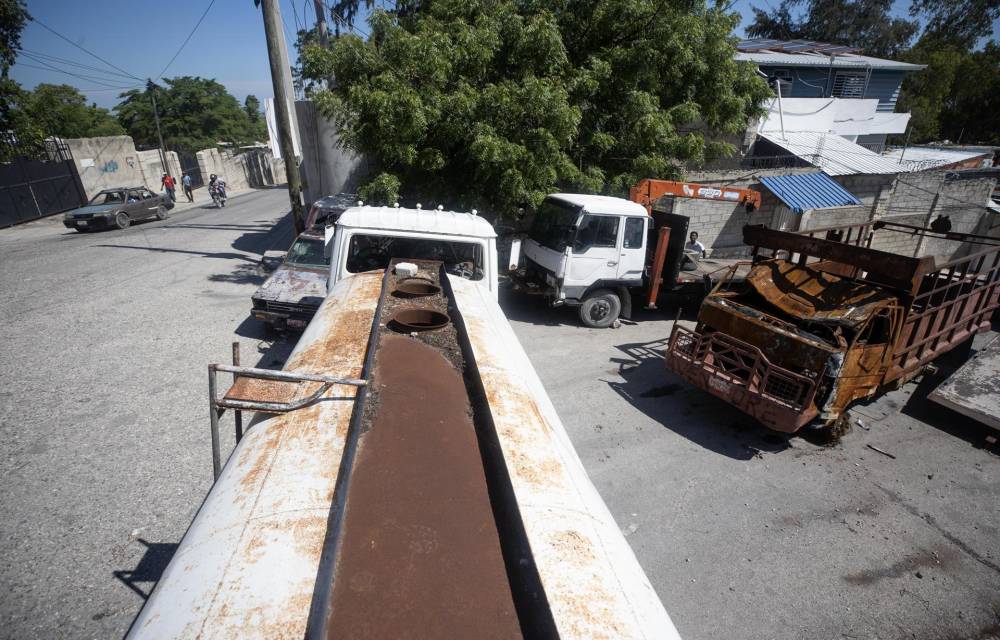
pixel 141 37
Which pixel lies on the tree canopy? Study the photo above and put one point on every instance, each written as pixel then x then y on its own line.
pixel 195 113
pixel 13 16
pixel 867 24
pixel 494 103
pixel 61 110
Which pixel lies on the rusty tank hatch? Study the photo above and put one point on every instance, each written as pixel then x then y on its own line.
pixel 425 538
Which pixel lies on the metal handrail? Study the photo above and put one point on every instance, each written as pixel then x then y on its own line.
pixel 217 406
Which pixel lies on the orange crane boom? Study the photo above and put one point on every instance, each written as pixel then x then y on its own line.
pixel 647 191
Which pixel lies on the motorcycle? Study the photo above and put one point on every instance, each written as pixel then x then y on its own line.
pixel 218 192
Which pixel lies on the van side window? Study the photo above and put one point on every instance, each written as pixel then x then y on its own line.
pixel 633 233
pixel 596 231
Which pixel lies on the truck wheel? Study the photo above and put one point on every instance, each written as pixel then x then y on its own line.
pixel 122 221
pixel 600 309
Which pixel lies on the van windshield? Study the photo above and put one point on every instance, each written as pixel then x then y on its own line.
pixel 307 252
pixel 366 253
pixel 554 225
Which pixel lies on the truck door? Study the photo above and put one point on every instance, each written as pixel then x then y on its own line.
pixel 594 254
pixel 632 256
pixel 868 358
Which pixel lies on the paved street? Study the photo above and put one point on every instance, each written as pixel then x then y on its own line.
pixel 744 534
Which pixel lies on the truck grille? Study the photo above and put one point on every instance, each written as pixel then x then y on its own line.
pixel 743 364
pixel 293 309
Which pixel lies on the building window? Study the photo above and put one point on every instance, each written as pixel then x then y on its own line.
pixel 849 85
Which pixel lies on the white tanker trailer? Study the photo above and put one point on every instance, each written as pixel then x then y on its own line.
pixel 414 479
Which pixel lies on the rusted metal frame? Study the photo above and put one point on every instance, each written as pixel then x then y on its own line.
pixel 217 406
pixel 957 236
pixel 758 375
pixel 931 334
pixel 659 259
pixel 900 271
pixel 322 600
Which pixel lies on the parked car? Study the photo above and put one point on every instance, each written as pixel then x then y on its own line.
pixel 118 207
pixel 293 293
pixel 327 210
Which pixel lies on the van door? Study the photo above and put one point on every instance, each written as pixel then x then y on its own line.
pixel 594 254
pixel 632 256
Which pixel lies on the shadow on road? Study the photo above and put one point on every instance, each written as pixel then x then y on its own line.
pixel 666 398
pixel 151 566
pixel 535 309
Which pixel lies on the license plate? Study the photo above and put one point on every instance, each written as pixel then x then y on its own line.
pixel 298 324
pixel 82 223
pixel 719 385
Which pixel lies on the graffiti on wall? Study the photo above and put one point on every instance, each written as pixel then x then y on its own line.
pixel 110 166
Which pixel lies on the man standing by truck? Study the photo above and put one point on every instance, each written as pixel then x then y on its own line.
pixel 695 247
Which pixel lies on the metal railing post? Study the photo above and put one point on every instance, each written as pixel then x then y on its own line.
pixel 237 413
pixel 214 417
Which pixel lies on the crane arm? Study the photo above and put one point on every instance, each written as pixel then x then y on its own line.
pixel 647 191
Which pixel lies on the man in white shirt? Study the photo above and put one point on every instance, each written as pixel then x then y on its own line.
pixel 695 247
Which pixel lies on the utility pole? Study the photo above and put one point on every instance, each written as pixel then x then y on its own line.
pixel 279 75
pixel 324 35
pixel 151 88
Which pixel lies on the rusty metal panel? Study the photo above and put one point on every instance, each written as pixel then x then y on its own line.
pixel 246 567
pixel 592 581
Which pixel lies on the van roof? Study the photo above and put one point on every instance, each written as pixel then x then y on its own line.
pixel 601 204
pixel 450 223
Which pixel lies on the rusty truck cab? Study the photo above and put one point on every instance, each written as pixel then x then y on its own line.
pixel 811 329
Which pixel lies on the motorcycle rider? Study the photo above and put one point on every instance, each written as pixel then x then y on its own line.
pixel 216 184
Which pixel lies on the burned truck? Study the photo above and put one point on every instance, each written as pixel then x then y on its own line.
pixel 823 320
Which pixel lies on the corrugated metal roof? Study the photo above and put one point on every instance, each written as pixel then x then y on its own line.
pixel 809 191
pixel 844 61
pixel 833 154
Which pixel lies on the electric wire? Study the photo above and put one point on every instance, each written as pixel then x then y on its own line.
pixel 187 39
pixel 48 67
pixel 85 50
pixel 57 59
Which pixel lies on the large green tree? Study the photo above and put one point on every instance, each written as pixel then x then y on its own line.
pixel 61 110
pixel 13 16
pixel 867 24
pixel 960 22
pixel 195 113
pixel 494 103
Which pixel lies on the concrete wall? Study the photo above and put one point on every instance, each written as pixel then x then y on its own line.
pixel 113 161
pixel 106 162
pixel 907 199
pixel 241 171
pixel 326 167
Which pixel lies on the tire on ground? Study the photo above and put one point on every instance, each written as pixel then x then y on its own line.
pixel 122 221
pixel 600 309
pixel 161 213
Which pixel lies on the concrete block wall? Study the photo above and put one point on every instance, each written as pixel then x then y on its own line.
pixel 834 216
pixel 106 162
pixel 232 169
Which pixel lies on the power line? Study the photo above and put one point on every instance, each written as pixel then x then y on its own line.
pixel 345 23
pixel 85 50
pixel 49 67
pixel 51 58
pixel 184 44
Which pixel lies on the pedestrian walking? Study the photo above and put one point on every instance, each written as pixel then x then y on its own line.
pixel 186 183
pixel 168 185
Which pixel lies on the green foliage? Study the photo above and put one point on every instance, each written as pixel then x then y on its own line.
pixel 13 16
pixel 959 22
pixel 195 113
pixel 252 106
pixel 957 97
pixel 61 110
pixel 493 103
pixel 858 23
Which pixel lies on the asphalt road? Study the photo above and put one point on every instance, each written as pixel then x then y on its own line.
pixel 743 533
pixel 104 422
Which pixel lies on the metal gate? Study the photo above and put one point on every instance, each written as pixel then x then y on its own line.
pixel 190 167
pixel 37 182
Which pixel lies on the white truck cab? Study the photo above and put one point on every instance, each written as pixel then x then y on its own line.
pixel 367 238
pixel 589 251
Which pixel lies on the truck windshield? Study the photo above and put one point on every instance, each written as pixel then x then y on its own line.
pixel 554 225
pixel 307 252
pixel 366 253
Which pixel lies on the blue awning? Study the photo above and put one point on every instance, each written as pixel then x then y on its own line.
pixel 809 191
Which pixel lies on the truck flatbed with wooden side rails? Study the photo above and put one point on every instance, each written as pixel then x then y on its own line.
pixel 823 320
pixel 413 478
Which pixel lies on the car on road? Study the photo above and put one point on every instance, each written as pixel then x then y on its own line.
pixel 289 298
pixel 327 210
pixel 118 207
